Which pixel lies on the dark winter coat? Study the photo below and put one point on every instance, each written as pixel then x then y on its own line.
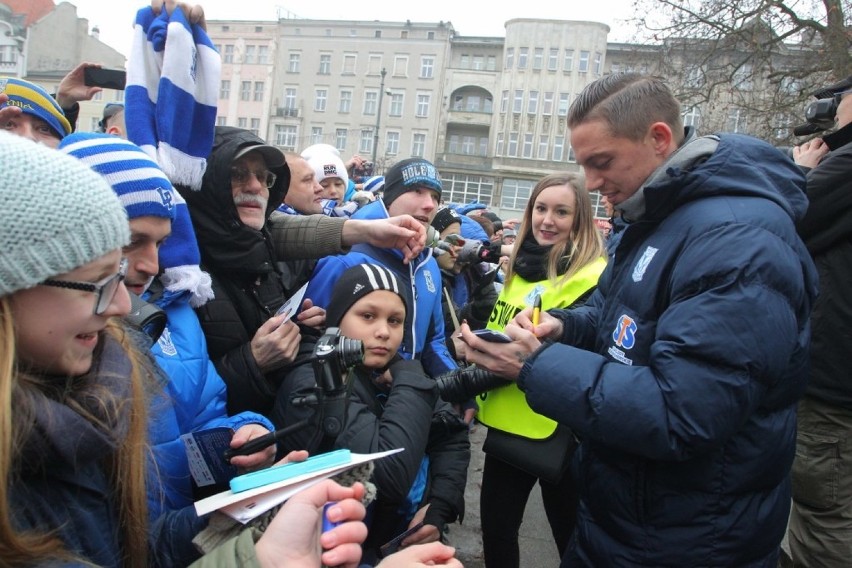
pixel 827 232
pixel 682 373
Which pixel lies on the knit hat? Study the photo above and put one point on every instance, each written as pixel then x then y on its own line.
pixel 444 218
pixel 328 165
pixel 140 184
pixel 410 174
pixel 34 100
pixel 374 184
pixel 358 281
pixel 55 214
pixel 145 191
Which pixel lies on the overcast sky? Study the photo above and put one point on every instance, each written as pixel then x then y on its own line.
pixel 115 18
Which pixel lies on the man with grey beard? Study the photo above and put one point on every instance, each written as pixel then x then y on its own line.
pixel 242 248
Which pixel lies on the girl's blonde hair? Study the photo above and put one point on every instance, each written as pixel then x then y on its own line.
pixel 127 469
pixel 584 243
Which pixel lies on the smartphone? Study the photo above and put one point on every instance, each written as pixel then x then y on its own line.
pixel 106 78
pixel 491 335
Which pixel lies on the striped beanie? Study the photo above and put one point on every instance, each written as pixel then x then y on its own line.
pixel 145 191
pixel 140 184
pixel 374 184
pixel 34 100
pixel 358 281
pixel 55 214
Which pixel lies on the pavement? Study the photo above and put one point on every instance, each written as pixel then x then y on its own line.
pixel 536 543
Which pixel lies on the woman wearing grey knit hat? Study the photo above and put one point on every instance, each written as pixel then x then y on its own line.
pixel 73 451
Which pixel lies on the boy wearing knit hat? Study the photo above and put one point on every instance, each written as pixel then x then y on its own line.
pixel 392 404
pixel 29 111
pixel 162 238
pixel 412 187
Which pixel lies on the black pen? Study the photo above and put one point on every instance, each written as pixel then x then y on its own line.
pixel 263 442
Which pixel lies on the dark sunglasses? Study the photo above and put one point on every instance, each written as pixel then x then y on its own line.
pixel 104 290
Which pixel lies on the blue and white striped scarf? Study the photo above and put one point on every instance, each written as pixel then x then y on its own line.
pixel 172 90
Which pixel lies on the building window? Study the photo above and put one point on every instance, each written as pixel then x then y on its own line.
pixel 95 124
pixel 258 91
pixel 478 63
pixel 504 101
pixel 430 35
pixel 538 58
pixel 316 134
pixel 365 144
pixel 378 34
pixel 423 101
pixel 263 54
pixel 510 57
pixel 418 145
pixel 392 146
pixel 229 54
pixel 523 53
pixel 224 89
pixel 371 102
pixel 564 99
pixel 325 64
pixel 396 104
pixel 295 60
pixel 345 105
pixel 320 99
pixel 255 126
pixel 547 104
pixel 427 67
pixel 528 146
pixel 583 65
pixel 249 56
pixel 518 103
pixel 468 146
pixel 453 145
pixel 221 121
pixel 737 120
pixel 532 103
pixel 400 66
pixel 692 117
pixel 349 64
pixel 461 188
pixel 558 148
pixel 119 96
pixel 290 98
pixel 474 102
pixel 99 96
pixel 598 63
pixel 340 138
pixel 694 77
pixel 568 61
pixel 242 122
pixel 374 65
pixel 498 150
pixel 743 78
pixel 516 193
pixel 542 147
pixel 245 91
pixel 571 157
pixel 258 29
pixel 285 136
pixel 491 63
pixel 553 59
pixel 483 146
pixel 512 150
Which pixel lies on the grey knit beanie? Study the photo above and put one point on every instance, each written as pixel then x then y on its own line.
pixel 56 214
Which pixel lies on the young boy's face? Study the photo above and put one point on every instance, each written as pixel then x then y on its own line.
pixel 333 188
pixel 377 320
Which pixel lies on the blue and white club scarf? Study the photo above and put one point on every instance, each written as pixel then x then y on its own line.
pixel 172 90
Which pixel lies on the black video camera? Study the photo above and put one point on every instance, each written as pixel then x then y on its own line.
pixel 819 114
pixel 333 355
pixel 147 316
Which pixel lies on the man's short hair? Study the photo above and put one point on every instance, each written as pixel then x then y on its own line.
pixel 628 103
pixel 110 111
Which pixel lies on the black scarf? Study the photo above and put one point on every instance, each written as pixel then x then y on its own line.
pixel 531 261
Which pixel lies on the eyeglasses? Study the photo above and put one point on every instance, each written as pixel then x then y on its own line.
pixel 241 176
pixel 104 290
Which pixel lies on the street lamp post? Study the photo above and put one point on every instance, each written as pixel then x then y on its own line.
pixel 378 116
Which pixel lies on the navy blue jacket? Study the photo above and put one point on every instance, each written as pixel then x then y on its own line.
pixel 682 372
